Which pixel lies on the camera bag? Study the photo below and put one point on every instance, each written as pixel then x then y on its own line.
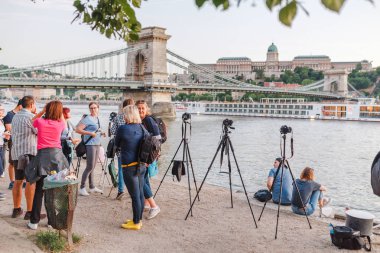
pixel 344 238
pixel 263 195
pixel 178 170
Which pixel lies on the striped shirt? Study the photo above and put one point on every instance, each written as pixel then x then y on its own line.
pixel 24 135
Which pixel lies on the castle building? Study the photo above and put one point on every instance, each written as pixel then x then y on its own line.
pixel 245 69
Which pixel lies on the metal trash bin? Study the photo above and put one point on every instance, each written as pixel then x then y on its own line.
pixel 60 203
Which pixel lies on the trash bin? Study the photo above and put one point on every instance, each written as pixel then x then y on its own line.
pixel 60 202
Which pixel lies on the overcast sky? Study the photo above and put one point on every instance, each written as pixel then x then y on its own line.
pixel 42 32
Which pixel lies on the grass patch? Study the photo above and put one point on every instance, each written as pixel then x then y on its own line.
pixel 76 238
pixel 50 241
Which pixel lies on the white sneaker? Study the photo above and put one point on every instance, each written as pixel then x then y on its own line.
pixel 153 212
pixel 32 226
pixel 95 190
pixel 83 192
pixel 2 175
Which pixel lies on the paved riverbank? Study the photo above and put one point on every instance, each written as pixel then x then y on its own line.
pixel 214 227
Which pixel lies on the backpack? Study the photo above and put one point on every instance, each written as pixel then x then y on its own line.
pixel 178 170
pixel 344 238
pixel 150 148
pixel 375 175
pixel 162 127
pixel 111 148
pixel 263 195
pixel 113 173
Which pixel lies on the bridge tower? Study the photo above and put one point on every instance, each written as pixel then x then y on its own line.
pixel 336 81
pixel 146 61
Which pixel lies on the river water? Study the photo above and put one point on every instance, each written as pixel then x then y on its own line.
pixel 340 152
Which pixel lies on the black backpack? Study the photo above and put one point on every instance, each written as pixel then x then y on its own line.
pixel 111 148
pixel 263 195
pixel 150 148
pixel 375 175
pixel 344 238
pixel 162 127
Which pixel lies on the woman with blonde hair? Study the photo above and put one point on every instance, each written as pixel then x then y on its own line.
pixel 128 138
pixel 310 192
pixel 152 127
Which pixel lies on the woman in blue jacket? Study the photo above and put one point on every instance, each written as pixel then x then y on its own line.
pixel 128 138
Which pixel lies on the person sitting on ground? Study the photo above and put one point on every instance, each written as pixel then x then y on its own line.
pixel 117 122
pixel 152 127
pixel 311 193
pixel 286 196
pixel 128 138
pixel 49 155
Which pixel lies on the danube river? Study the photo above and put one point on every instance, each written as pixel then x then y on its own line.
pixel 340 152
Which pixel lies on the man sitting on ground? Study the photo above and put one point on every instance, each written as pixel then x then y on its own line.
pixel 286 196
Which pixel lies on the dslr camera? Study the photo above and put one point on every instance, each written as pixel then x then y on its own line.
pixel 285 129
pixel 112 116
pixel 186 116
pixel 227 123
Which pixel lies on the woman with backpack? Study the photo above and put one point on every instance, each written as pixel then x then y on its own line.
pixel 67 140
pixel 152 127
pixel 128 139
pixel 89 127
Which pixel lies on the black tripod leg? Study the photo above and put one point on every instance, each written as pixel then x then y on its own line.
pixel 192 169
pixel 185 154
pixel 166 172
pixel 204 179
pixel 229 172
pixel 279 203
pixel 271 189
pixel 299 194
pixel 241 178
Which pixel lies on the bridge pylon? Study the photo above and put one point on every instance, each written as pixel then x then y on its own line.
pixel 336 81
pixel 147 62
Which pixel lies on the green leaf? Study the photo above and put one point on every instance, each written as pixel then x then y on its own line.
pixel 334 5
pixel 273 3
pixel 77 4
pixel 200 3
pixel 136 3
pixel 86 18
pixel 109 32
pixel 288 13
pixel 218 3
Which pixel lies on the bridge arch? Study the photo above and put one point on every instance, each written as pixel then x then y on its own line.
pixel 140 67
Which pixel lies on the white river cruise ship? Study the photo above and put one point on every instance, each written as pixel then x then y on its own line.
pixel 298 108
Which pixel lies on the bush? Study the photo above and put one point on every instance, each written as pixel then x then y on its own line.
pixel 50 241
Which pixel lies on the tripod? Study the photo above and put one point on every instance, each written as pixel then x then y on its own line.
pixel 186 157
pixel 225 144
pixel 104 175
pixel 283 167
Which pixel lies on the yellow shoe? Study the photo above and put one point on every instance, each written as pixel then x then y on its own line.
pixel 132 226
pixel 131 221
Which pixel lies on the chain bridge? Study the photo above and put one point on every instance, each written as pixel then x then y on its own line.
pixel 146 69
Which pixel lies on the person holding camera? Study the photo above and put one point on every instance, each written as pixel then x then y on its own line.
pixel 128 138
pixel 67 140
pixel 89 127
pixel 286 196
pixel 153 129
pixel 118 121
pixel 311 193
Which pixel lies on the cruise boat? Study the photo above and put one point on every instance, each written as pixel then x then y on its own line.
pixel 298 108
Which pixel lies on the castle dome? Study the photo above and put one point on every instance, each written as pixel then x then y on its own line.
pixel 272 48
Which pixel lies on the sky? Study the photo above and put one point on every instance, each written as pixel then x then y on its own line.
pixel 41 32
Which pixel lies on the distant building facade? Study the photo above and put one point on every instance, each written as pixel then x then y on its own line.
pixel 243 68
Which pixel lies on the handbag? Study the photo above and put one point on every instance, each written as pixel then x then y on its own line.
pixel 263 195
pixel 153 169
pixel 80 149
pixel 113 173
pixel 66 148
pixel 178 170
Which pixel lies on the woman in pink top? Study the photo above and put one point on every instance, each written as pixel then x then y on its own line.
pixel 49 153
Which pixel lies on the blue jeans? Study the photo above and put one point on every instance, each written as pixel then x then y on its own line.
pixel 120 184
pixel 134 180
pixel 1 160
pixel 147 190
pixel 311 206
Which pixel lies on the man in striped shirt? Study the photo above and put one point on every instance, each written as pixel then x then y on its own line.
pixel 24 146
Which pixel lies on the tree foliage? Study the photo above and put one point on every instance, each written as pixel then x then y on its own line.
pixel 117 18
pixel 362 80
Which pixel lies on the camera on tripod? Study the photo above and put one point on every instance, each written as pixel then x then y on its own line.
pixel 285 129
pixel 112 116
pixel 228 123
pixel 186 116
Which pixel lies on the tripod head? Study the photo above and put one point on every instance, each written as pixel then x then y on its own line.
pixel 186 120
pixel 284 130
pixel 227 124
